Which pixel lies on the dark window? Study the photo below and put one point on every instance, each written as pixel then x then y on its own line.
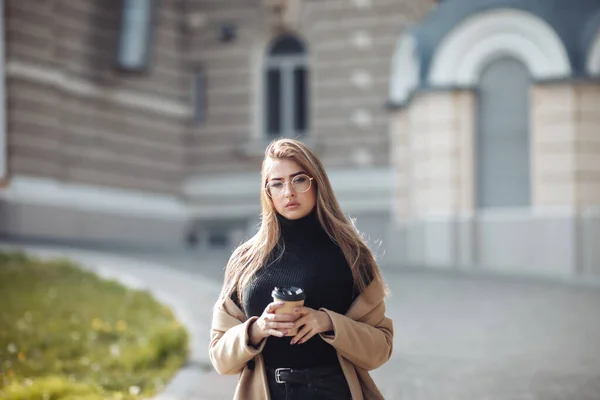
pixel 286 45
pixel 274 101
pixel 301 99
pixel 286 88
pixel 218 238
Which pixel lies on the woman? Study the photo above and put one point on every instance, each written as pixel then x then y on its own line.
pixel 305 241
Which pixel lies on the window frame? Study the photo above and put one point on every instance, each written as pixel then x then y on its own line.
pixel 286 64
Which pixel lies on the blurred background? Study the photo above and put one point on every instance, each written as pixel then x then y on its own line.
pixel 463 132
pixel 464 135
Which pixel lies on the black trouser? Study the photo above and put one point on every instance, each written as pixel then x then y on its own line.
pixel 318 383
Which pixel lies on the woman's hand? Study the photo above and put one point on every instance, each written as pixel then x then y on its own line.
pixel 314 322
pixel 271 324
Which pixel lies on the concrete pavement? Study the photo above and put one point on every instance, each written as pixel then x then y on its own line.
pixel 462 337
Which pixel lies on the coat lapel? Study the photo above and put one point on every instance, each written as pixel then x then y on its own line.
pixel 368 299
pixel 233 310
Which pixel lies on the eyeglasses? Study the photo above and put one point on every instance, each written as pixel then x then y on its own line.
pixel 300 183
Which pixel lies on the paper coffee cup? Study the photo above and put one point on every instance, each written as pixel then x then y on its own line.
pixel 291 297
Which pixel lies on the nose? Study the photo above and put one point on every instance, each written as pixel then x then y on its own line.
pixel 288 189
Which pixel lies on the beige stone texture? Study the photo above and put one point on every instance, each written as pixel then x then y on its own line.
pixel 72 116
pixel 565 144
pixel 440 138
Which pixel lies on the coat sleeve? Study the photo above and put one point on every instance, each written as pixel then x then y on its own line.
pixel 229 348
pixel 367 343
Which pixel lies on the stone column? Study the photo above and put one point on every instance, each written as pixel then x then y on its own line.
pixel 587 176
pixel 432 159
pixel 553 145
pixel 441 144
pixel 566 162
pixel 397 239
pixel 400 164
pixel 587 145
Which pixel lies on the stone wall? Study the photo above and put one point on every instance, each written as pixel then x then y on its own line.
pixel 436 223
pixel 73 117
pixel 432 142
pixel 350 46
pixel 566 144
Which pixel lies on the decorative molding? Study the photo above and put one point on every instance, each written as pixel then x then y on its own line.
pixel 361 157
pixel 593 60
pixel 405 70
pixel 359 190
pixel 362 118
pixel 283 14
pixel 362 39
pixel 363 4
pixel 71 84
pixel 361 78
pixel 256 147
pixel 482 38
pixel 53 193
pixel 504 214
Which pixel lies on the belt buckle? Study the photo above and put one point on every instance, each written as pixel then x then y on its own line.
pixel 278 372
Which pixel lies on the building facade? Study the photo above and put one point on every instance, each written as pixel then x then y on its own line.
pixel 145 122
pixel 496 137
pixel 462 134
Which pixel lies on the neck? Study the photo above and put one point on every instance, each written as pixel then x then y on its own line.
pixel 302 229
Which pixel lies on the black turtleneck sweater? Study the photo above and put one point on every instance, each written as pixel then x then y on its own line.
pixel 312 261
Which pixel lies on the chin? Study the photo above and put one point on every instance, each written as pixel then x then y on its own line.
pixel 294 214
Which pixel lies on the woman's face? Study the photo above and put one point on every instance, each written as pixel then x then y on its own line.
pixel 286 180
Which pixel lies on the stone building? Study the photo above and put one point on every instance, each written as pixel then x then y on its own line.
pixel 138 121
pixel 496 137
pixel 461 133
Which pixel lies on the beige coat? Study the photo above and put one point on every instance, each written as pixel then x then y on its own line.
pixel 363 339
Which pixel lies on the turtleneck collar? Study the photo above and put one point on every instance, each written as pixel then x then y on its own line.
pixel 306 228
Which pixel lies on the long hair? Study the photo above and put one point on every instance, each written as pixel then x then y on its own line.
pixel 253 254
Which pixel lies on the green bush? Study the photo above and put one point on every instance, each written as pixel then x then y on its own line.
pixel 67 334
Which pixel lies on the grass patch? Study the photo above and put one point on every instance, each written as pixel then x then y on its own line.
pixel 67 334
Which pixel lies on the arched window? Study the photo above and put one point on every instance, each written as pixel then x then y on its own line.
pixel 286 88
pixel 503 146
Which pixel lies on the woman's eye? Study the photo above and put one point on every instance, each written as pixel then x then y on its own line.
pixel 300 180
pixel 276 185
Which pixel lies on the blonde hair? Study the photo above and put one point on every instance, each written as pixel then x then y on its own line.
pixel 253 254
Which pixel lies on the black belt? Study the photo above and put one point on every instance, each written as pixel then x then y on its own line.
pixel 302 376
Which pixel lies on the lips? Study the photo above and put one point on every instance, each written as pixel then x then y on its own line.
pixel 291 204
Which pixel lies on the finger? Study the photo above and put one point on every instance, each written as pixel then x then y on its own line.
pixel 271 307
pixel 307 336
pixel 285 317
pixel 280 325
pixel 275 332
pixel 270 317
pixel 301 321
pixel 302 310
pixel 301 333
pixel 280 317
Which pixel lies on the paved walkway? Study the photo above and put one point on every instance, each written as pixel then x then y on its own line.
pixel 458 337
